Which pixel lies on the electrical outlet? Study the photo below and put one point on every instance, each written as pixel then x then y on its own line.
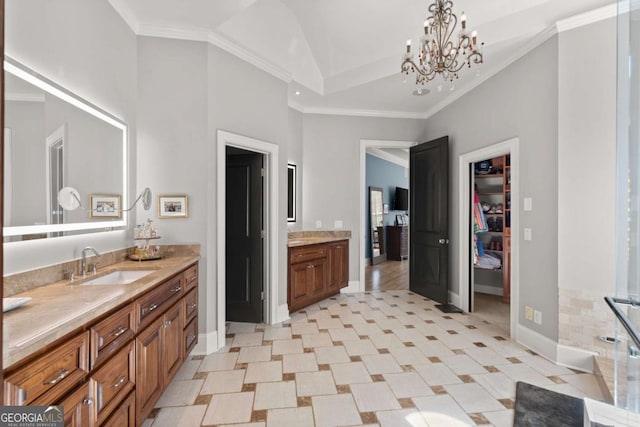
pixel 318 223
pixel 337 224
pixel 537 317
pixel 528 313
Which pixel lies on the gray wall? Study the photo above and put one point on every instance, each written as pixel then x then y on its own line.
pixel 332 170
pixel 587 158
pixel 86 47
pixel 187 92
pixel 521 101
pixel 295 156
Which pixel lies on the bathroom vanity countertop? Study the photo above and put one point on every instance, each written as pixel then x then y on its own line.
pixel 313 237
pixel 304 241
pixel 62 307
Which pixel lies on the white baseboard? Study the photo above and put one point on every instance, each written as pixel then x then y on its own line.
pixel 486 289
pixel 454 299
pixel 576 358
pixel 283 314
pixel 537 342
pixel 354 286
pixel 207 344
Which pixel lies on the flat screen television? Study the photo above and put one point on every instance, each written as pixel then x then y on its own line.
pixel 402 199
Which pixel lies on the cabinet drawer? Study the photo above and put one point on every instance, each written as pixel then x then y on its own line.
pixel 125 414
pixel 190 308
pixel 111 334
pixel 190 337
pixel 50 376
pixel 152 304
pixel 307 253
pixel 112 382
pixel 190 278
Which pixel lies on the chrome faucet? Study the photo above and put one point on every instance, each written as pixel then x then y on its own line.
pixel 83 260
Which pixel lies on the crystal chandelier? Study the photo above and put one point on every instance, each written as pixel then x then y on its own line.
pixel 441 51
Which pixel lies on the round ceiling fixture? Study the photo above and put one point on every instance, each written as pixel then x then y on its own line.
pixel 420 91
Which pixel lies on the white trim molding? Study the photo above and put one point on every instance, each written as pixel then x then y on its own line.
pixel 587 18
pixel 512 147
pixel 272 218
pixel 364 145
pixel 207 344
pixel 537 342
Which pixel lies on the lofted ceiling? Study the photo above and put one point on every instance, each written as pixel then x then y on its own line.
pixel 343 56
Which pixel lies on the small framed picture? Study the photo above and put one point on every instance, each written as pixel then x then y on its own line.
pixel 105 206
pixel 173 207
pixel 385 208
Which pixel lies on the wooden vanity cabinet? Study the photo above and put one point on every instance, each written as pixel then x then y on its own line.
pixel 113 370
pixel 316 272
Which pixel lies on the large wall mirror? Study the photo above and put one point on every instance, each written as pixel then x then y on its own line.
pixel 55 139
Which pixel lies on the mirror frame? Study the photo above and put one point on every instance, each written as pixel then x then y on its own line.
pixel 292 199
pixel 382 256
pixel 25 73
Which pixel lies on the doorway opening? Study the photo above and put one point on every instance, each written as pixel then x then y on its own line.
pixel 489 241
pixel 271 311
pixel 384 223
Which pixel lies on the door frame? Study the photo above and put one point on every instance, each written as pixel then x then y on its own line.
pixel 512 147
pixel 364 194
pixel 271 221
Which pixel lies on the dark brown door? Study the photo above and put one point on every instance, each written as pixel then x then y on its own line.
pixel 244 263
pixel 428 219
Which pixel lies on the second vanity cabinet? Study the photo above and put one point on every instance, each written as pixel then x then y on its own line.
pixel 317 271
pixel 113 371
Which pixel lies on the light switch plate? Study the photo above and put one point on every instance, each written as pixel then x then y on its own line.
pixel 528 204
pixel 527 234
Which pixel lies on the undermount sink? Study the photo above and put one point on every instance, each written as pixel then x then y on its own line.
pixel 118 277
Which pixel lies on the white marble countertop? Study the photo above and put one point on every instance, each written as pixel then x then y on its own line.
pixel 62 307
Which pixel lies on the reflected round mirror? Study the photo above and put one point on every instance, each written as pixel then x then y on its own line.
pixel 69 198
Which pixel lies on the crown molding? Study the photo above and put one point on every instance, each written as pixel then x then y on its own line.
pixel 24 97
pixel 540 38
pixel 387 157
pixel 587 18
pixel 233 48
pixel 356 112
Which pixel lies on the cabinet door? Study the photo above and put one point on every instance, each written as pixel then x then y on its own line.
pixel 171 343
pixel 78 408
pixel 317 277
pixel 338 266
pixel 298 288
pixel 148 368
pixel 125 414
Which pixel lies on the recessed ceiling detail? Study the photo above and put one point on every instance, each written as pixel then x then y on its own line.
pixel 342 56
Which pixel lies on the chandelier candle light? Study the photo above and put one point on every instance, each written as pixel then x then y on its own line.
pixel 440 51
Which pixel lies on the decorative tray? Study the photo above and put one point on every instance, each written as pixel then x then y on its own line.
pixel 135 257
pixel 9 304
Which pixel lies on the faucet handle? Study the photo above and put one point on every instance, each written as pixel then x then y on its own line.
pixel 68 275
pixel 93 268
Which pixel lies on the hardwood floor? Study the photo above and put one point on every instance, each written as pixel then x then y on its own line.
pixel 387 276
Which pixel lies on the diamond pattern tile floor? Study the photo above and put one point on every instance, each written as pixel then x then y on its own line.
pixel 381 358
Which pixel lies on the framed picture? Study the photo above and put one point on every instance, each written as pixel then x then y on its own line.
pixel 291 192
pixel 105 206
pixel 173 207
